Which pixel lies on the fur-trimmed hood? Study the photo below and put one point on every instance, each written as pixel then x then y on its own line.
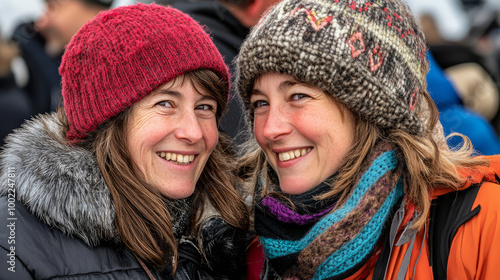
pixel 60 184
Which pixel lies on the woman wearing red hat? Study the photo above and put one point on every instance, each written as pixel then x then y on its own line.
pixel 131 179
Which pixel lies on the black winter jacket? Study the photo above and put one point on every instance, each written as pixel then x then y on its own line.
pixel 58 219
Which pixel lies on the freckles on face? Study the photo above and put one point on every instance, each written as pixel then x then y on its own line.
pixel 170 136
pixel 304 133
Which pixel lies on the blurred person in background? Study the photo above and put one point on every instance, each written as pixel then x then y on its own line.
pixel 468 69
pixel 14 103
pixel 63 18
pixel 40 45
pixel 463 88
pixel 455 117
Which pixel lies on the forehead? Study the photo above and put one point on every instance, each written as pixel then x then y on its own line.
pixel 185 80
pixel 279 81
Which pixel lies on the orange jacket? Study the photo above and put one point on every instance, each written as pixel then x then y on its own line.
pixel 475 250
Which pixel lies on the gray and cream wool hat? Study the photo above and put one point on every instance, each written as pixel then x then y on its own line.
pixel 368 54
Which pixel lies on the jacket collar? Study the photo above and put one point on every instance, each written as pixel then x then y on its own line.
pixel 60 184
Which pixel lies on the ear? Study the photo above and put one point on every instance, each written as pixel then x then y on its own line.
pixel 250 15
pixel 256 8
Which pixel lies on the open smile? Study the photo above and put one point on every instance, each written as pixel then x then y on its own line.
pixel 286 156
pixel 176 158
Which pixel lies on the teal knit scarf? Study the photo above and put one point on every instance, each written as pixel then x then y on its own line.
pixel 305 243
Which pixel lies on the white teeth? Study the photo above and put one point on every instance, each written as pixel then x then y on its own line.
pixel 292 154
pixel 297 153
pixel 177 158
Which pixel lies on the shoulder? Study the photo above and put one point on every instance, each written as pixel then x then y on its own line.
pixel 225 29
pixel 46 252
pixel 487 220
pixel 472 253
pixel 488 196
pixel 483 202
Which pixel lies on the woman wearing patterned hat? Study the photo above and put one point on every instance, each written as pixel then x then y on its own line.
pixel 131 179
pixel 349 177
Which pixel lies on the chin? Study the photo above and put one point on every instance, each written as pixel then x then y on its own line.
pixel 293 189
pixel 178 194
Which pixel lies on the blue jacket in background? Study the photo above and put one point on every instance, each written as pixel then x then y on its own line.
pixel 455 117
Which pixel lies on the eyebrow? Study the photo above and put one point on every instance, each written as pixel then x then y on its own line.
pixel 168 92
pixel 283 86
pixel 179 95
pixel 286 84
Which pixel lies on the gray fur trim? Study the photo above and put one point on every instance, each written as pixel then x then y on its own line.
pixel 60 184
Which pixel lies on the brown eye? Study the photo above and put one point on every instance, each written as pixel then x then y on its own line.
pixel 206 110
pixel 298 96
pixel 165 103
pixel 259 103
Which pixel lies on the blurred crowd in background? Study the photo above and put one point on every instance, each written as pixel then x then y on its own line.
pixel 463 38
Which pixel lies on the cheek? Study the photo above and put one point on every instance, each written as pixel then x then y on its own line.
pixel 309 124
pixel 210 134
pixel 258 128
pixel 143 132
pixel 135 143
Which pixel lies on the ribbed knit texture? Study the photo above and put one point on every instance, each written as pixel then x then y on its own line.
pixel 126 53
pixel 339 241
pixel 371 55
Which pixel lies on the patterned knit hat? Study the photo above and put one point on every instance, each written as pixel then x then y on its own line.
pixel 370 55
pixel 123 54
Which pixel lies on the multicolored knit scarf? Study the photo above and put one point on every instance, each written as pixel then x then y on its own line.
pixel 309 241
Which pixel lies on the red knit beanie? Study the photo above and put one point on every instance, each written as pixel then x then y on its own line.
pixel 124 54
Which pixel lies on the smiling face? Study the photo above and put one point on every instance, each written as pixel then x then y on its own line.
pixel 170 135
pixel 304 133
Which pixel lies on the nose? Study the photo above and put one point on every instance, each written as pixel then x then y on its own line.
pixel 277 124
pixel 189 129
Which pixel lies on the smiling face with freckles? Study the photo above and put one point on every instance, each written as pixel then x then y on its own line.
pixel 170 135
pixel 305 135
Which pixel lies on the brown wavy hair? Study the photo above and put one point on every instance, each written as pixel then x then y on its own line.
pixel 143 219
pixel 427 163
